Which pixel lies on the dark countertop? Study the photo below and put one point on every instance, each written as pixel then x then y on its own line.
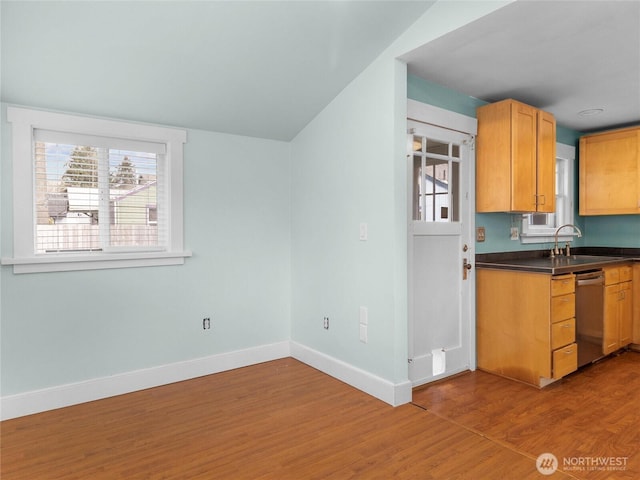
pixel 581 259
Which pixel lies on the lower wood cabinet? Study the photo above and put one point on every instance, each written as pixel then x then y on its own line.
pixel 636 303
pixel 526 325
pixel 565 360
pixel 618 308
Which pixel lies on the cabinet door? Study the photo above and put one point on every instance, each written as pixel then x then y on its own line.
pixel 636 303
pixel 524 158
pixel 610 173
pixel 546 163
pixel 610 340
pixel 625 313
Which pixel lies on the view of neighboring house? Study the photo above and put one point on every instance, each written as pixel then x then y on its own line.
pixel 133 218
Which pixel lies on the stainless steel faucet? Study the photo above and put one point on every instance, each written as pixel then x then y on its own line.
pixel 555 250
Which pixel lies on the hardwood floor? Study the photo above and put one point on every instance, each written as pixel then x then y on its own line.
pixel 285 420
pixel 592 415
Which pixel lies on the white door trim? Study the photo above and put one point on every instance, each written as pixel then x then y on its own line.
pixel 439 117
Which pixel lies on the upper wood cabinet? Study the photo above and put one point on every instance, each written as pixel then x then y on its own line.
pixel 515 158
pixel 610 172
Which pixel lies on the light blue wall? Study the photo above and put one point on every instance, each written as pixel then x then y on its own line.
pixel 274 230
pixel 349 167
pixel 343 176
pixel 60 328
pixel 613 230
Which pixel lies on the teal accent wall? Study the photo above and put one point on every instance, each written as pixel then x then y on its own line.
pixel 606 231
pixel 612 230
pixel 65 327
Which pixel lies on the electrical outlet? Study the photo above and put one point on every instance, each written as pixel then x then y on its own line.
pixel 325 323
pixel 514 233
pixel 206 323
pixel 363 333
pixel 364 232
pixel 480 234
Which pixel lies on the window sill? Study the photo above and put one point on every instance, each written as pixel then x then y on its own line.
pixel 66 263
pixel 544 238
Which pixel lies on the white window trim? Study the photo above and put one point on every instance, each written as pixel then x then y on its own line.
pixel 566 152
pixel 24 260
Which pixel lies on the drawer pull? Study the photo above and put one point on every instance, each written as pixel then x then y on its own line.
pixel 568 352
pixel 566 325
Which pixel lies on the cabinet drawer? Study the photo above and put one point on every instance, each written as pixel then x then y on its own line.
pixel 563 284
pixel 565 360
pixel 611 275
pixel 563 307
pixel 563 333
pixel 626 273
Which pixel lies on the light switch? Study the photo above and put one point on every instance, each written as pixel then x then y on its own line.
pixel 364 316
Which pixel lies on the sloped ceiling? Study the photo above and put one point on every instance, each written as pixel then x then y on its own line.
pixel 254 68
pixel 562 56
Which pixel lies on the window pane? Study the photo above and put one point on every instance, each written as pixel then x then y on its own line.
pixel 67 197
pixel 436 190
pixel 133 198
pixel 454 187
pixel 417 143
pixel 89 198
pixel 436 182
pixel 437 147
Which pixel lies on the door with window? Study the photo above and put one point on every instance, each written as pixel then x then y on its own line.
pixel 441 287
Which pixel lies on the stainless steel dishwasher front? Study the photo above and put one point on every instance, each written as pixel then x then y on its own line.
pixel 589 316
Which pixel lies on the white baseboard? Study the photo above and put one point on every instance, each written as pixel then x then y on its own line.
pixel 392 393
pixel 36 401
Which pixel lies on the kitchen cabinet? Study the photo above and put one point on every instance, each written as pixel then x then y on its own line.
pixel 636 303
pixel 618 308
pixel 610 173
pixel 526 325
pixel 515 158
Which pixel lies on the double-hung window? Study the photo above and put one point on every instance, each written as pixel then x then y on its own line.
pixel 94 193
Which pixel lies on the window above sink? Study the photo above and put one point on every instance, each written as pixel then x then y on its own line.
pixel 541 227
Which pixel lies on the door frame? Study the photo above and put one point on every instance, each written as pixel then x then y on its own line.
pixel 441 118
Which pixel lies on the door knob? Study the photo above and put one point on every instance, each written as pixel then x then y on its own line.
pixel 466 266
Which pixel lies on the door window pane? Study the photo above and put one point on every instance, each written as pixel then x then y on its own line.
pixel 436 181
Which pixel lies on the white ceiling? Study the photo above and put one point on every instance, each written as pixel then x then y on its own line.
pixel 254 68
pixel 560 56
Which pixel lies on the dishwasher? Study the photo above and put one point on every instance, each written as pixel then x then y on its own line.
pixel 589 316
